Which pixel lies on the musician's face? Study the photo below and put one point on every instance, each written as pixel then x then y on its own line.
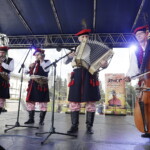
pixel 2 53
pixel 38 56
pixel 81 37
pixel 141 36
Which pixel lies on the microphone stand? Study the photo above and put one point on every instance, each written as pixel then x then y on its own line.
pixel 17 124
pixel 52 128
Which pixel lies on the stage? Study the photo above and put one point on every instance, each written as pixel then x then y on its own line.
pixel 111 133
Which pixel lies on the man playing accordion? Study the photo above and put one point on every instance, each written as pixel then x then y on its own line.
pixel 84 87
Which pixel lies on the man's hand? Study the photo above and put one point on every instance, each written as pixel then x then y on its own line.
pixel 104 64
pixel 71 55
pixel 127 79
pixel 32 65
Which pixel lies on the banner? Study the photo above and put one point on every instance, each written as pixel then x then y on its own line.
pixel 115 94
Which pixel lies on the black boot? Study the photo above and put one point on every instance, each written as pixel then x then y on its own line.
pixel 0 110
pixel 31 117
pixel 1 148
pixel 4 110
pixel 89 121
pixel 75 122
pixel 42 117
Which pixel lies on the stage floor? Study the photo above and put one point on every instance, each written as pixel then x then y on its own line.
pixel 111 133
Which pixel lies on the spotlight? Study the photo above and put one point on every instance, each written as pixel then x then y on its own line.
pixel 33 48
pixel 133 47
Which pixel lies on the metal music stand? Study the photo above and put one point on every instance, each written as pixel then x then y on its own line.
pixel 52 128
pixel 17 124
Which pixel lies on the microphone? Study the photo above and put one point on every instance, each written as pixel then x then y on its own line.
pixel 58 49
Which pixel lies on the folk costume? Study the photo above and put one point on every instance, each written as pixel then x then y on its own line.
pixel 136 56
pixel 6 66
pixel 38 91
pixel 84 87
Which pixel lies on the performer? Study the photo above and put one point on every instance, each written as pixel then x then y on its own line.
pixel 141 110
pixel 38 90
pixel 137 56
pixel 84 87
pixel 6 66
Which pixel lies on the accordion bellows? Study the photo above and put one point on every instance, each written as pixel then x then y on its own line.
pixel 91 53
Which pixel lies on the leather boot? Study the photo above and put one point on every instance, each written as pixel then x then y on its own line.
pixel 42 117
pixel 75 122
pixel 1 148
pixel 0 110
pixel 31 117
pixel 89 121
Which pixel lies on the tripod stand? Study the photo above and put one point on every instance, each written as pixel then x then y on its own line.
pixel 52 129
pixel 17 124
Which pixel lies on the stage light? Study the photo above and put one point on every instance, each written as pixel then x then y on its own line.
pixel 133 48
pixel 33 48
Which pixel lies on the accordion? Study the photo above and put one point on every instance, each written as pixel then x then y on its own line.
pixel 91 53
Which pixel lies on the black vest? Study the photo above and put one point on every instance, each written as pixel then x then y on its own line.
pixel 7 61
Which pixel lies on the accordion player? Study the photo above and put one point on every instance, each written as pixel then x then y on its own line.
pixel 91 54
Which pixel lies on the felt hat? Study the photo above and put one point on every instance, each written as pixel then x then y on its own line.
pixel 141 28
pixel 38 50
pixel 83 32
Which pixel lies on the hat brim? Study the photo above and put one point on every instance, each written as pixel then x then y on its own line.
pixel 83 32
pixel 4 48
pixel 142 28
